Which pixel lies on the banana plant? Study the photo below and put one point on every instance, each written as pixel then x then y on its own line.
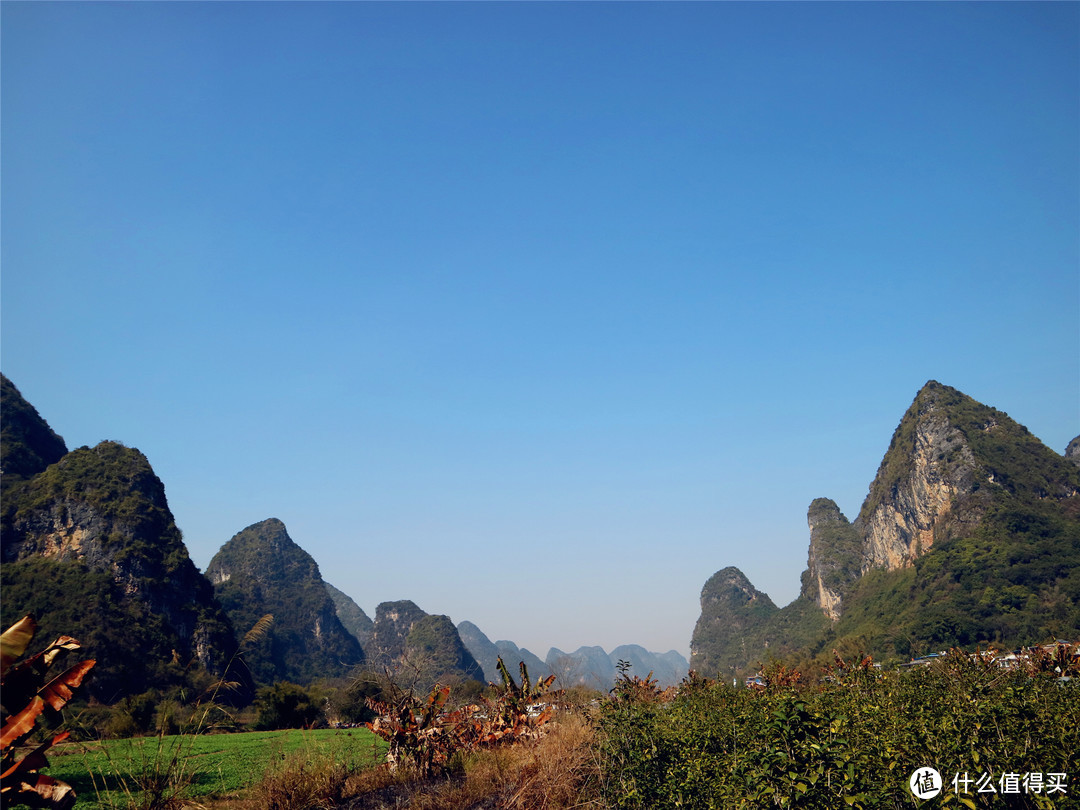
pixel 512 716
pixel 24 684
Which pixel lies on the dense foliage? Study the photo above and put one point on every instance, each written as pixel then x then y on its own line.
pixel 434 644
pixel 853 740
pixel 1015 581
pixel 285 705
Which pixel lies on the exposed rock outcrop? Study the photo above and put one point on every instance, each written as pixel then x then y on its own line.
pixel 1072 452
pixel 835 558
pixel 927 487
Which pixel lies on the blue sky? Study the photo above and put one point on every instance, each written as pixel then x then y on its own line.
pixel 537 314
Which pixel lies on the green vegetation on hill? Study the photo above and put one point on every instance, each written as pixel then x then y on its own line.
pixel 351 615
pixel 1008 460
pixel 91 549
pixel 419 648
pixel 1000 517
pixel 132 644
pixel 1015 581
pixel 260 571
pixel 434 641
pixel 110 486
pixel 835 546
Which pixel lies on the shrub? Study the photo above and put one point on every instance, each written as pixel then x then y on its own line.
pixel 852 740
pixel 285 705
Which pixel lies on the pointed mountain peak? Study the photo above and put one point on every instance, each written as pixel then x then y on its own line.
pixel 949 459
pixel 263 552
pixel 731 607
pixel 730 586
pixel 419 645
pixel 260 571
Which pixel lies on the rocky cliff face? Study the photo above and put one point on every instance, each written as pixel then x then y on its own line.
pixel 262 571
pixel 927 488
pixel 1072 452
pixel 90 546
pixel 835 558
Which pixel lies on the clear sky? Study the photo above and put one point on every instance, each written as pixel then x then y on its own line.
pixel 537 314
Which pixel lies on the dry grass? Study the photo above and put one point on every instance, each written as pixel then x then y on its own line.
pixel 302 781
pixel 556 772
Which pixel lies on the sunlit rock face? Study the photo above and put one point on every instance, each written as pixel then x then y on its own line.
pixel 835 558
pixel 927 487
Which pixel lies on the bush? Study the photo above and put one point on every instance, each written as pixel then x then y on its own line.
pixel 285 705
pixel 850 741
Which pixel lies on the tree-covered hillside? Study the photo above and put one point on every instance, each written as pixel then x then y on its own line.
pixel 262 571
pixel 90 547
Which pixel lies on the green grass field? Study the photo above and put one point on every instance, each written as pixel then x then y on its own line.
pixel 115 773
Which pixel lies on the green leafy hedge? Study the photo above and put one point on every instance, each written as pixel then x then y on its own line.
pixel 852 741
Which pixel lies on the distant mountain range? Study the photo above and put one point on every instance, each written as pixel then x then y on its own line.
pixel 970 534
pixel 587 666
pixel 90 546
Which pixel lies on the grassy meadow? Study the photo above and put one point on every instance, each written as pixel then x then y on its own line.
pixel 135 772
